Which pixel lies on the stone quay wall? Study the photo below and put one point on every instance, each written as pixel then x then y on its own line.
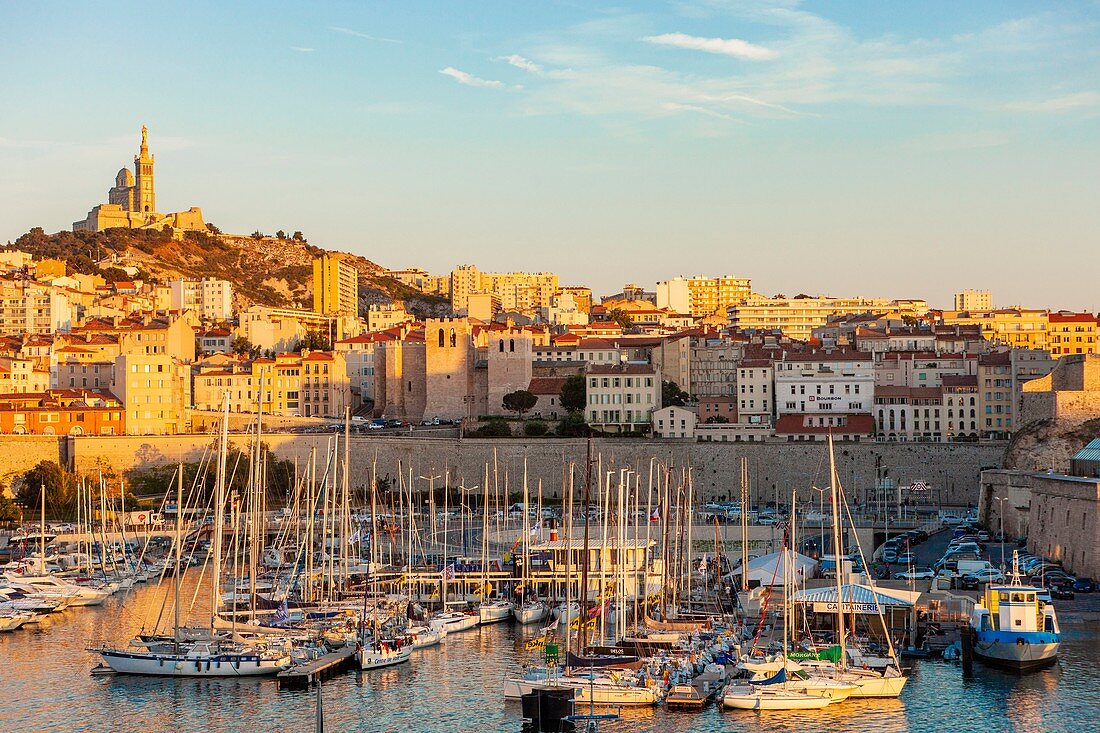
pixel 952 471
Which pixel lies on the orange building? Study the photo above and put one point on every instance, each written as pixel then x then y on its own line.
pixel 62 412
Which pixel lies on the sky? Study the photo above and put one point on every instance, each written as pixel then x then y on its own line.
pixel 845 148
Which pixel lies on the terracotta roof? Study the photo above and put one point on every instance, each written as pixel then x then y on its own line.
pixel 796 425
pixel 827 355
pixel 546 385
pixel 1071 318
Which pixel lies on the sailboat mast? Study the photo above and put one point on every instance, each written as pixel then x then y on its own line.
pixel 219 502
pixel 834 494
pixel 179 542
pixel 587 519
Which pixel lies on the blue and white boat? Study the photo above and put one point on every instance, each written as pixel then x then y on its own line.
pixel 1013 628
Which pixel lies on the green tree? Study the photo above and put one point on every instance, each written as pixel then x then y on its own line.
pixel 672 395
pixel 535 428
pixel 574 393
pixel 495 428
pixel 316 341
pixel 619 316
pixel 717 420
pixel 519 401
pixel 243 346
pixel 280 234
pixel 60 490
pixel 9 510
pixel 298 237
pixel 573 426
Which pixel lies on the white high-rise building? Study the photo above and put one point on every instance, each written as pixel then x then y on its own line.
pixel 973 300
pixel 212 299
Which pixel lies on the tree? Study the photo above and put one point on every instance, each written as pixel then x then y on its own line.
pixel 495 428
pixel 535 428
pixel 280 234
pixel 9 510
pixel 60 490
pixel 315 341
pixel 717 420
pixel 298 237
pixel 574 393
pixel 519 401
pixel 619 316
pixel 672 395
pixel 573 426
pixel 243 346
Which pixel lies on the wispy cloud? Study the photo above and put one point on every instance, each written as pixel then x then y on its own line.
pixel 470 80
pixel 677 107
pixel 1064 103
pixel 358 34
pixel 301 49
pixel 725 46
pixel 521 63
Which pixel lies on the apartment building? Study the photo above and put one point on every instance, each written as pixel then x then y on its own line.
pixel 62 412
pixel 1020 328
pixel 798 317
pixel 702 296
pixel 210 298
pixel 325 388
pixel 524 292
pixel 22 375
pixel 823 382
pixel 756 392
pixel 973 300
pixel 155 390
pixel 1073 333
pixel 30 307
pixel 960 401
pixel 335 285
pixel 921 368
pixel 622 397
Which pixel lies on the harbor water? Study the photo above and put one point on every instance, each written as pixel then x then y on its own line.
pixel 45 687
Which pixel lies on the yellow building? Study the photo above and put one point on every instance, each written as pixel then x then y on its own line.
pixel 155 389
pixel 517 291
pixel 335 285
pixel 798 317
pixel 312 384
pixel 1073 333
pixel 132 201
pixel 1018 327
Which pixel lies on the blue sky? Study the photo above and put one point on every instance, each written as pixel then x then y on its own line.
pixel 851 148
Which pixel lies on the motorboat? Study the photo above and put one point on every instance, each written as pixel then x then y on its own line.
pixel 1013 627
pixel 422 637
pixel 454 621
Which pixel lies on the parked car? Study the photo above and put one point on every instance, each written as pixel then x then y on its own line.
pixel 916 574
pixel 377 424
pixel 983 535
pixel 989 575
pixel 907 558
pixel 968 582
pixel 889 554
pixel 1084 585
pixel 1061 592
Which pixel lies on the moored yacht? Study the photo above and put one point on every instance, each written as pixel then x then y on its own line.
pixel 1013 628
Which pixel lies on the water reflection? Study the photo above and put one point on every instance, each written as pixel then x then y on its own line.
pixel 457 687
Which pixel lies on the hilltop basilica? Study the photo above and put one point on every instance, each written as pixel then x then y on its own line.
pixel 132 201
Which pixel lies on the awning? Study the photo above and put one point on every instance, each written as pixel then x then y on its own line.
pixel 857 598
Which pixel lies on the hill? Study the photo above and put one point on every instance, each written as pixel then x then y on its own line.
pixel 274 271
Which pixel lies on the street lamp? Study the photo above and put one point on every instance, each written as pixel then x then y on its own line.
pixel 1001 513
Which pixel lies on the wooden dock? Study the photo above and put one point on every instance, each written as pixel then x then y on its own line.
pixel 321 668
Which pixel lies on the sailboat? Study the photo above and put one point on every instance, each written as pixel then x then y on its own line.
pixel 210 654
pixel 868 682
pixel 497 610
pixel 531 610
pixel 777 692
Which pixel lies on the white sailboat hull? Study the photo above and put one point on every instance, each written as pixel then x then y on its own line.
pixel 494 613
pixel 184 665
pixel 379 658
pixel 531 613
pixel 454 622
pixel 762 698
pixel 600 693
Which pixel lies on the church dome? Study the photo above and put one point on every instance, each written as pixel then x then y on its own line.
pixel 124 179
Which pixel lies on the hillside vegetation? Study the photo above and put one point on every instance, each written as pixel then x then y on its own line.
pixel 274 271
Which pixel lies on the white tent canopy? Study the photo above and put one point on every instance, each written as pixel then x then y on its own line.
pixel 771 569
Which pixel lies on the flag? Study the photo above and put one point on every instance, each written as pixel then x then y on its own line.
pixel 354 537
pixel 281 615
pixel 449 572
pixel 655 516
pixel 535 529
pixel 703 563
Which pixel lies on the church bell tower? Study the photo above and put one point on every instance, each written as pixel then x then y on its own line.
pixel 145 198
